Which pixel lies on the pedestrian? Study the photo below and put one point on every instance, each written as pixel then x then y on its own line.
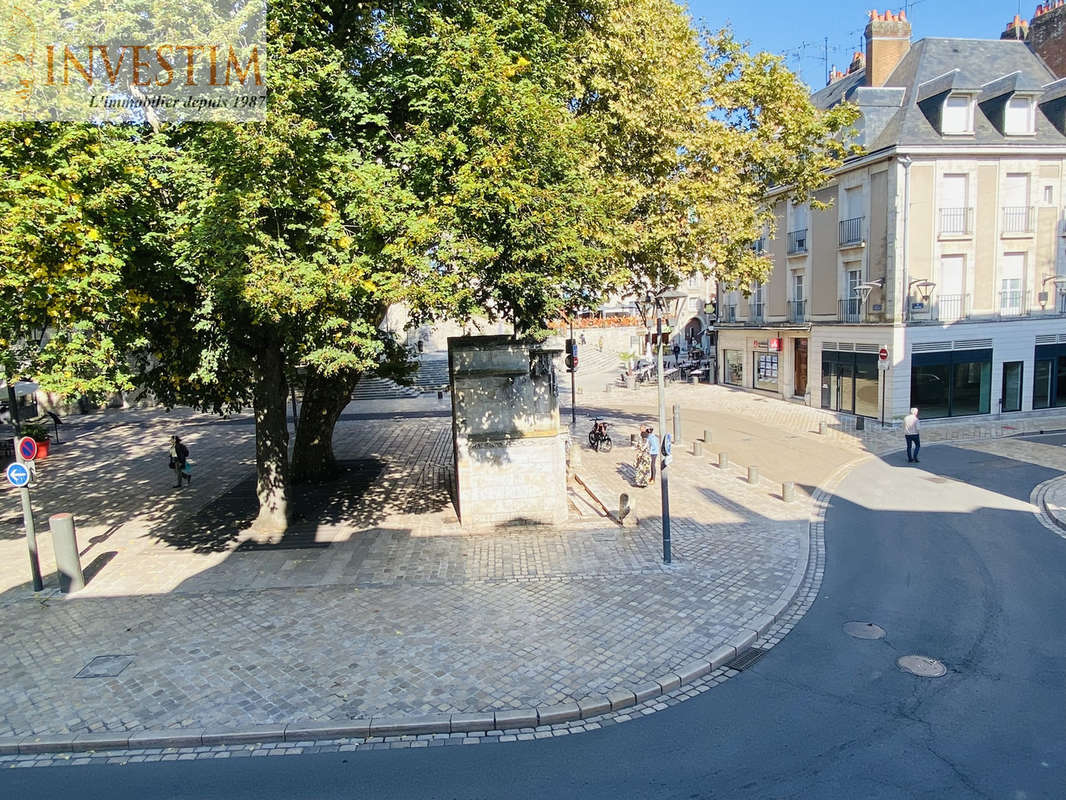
pixel 642 468
pixel 179 461
pixel 600 343
pixel 911 430
pixel 582 340
pixel 653 450
pixel 677 354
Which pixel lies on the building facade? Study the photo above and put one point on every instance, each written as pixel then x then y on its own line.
pixel 943 245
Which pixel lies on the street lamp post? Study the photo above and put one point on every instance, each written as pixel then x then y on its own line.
pixel 666 304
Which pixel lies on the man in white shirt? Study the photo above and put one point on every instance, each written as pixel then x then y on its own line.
pixel 911 433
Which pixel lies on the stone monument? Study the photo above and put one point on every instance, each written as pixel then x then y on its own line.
pixel 510 451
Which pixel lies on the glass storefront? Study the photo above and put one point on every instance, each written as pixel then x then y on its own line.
pixel 766 365
pixel 1049 376
pixel 951 383
pixel 1012 385
pixel 734 367
pixel 850 382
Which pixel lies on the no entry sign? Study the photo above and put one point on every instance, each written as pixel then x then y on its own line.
pixel 27 448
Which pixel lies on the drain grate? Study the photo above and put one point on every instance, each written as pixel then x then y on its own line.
pixel 105 667
pixel 747 658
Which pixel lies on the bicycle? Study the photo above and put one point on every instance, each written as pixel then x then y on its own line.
pixel 599 440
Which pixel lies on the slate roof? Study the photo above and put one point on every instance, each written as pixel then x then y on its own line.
pixel 934 66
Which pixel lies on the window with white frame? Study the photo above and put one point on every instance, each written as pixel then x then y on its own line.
pixel 1019 117
pixel 1011 274
pixel 955 215
pixel 799 217
pixel 797 286
pixel 957 115
pixel 950 288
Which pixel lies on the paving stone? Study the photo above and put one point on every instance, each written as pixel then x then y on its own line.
pixel 668 683
pixel 593 706
pixel 300 732
pixel 165 738
pixel 247 735
pixel 622 699
pixel 564 712
pixel 516 719
pixel 46 744
pixel 646 691
pixel 693 671
pixel 101 741
pixel 472 722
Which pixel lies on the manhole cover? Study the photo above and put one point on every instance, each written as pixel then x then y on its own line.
pixel 105 667
pixel 922 666
pixel 864 630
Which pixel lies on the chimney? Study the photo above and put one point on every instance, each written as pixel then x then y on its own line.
pixel 888 38
pixel 1047 35
pixel 1017 28
pixel 858 61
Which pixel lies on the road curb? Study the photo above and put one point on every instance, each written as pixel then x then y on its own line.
pixel 465 722
pixel 1050 515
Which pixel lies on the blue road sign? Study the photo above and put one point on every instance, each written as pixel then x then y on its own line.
pixel 18 475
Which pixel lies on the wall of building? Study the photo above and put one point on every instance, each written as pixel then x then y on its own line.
pixel 1047 37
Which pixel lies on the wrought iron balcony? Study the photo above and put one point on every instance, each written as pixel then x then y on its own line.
pixel 797 310
pixel 951 307
pixel 956 221
pixel 1018 220
pixel 1012 304
pixel 797 242
pixel 851 231
pixel 850 310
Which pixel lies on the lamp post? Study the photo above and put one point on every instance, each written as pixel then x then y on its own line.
pixel 664 304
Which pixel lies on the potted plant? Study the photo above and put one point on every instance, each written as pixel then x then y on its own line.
pixel 40 435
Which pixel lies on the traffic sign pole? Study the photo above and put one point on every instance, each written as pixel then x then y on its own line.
pixel 31 530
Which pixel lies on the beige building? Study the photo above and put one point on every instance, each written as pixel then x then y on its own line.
pixel 944 244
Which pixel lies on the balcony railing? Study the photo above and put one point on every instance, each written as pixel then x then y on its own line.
pixel 851 310
pixel 956 221
pixel 851 231
pixel 1012 304
pixel 756 312
pixel 729 314
pixel 951 307
pixel 797 242
pixel 1018 220
pixel 797 310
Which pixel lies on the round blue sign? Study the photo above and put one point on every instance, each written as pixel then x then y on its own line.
pixel 18 475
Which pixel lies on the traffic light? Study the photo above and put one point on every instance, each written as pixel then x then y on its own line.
pixel 571 356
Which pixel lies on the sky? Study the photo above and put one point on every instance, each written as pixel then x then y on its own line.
pixel 799 29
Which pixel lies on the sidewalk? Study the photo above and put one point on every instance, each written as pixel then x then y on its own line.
pixel 384 610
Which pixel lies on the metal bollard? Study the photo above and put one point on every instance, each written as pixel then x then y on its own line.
pixel 68 562
pixel 753 474
pixel 723 460
pixel 706 435
pixel 788 491
pixel 821 428
pixel 677 424
pixel 697 449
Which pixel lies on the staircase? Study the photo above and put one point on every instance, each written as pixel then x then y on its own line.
pixel 382 389
pixel 432 374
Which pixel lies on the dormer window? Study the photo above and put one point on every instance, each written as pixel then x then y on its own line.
pixel 958 114
pixel 1019 117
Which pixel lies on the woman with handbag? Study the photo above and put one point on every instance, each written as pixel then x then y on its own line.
pixel 179 458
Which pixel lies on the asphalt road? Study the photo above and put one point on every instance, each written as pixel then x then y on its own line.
pixel 943 555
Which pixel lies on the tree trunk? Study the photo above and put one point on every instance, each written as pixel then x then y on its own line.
pixel 271 442
pixel 324 400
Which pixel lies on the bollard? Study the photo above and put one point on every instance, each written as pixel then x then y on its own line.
pixel 623 506
pixel 607 388
pixel 706 435
pixel 821 428
pixel 693 379
pixel 68 562
pixel 697 449
pixel 753 474
pixel 788 491
pixel 723 460
pixel 677 424
pixel 440 394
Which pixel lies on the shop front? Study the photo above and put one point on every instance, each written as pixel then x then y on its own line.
pixel 1049 376
pixel 850 382
pixel 952 383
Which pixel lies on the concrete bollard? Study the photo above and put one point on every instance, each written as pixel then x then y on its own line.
pixel 623 506
pixel 723 460
pixel 677 424
pixel 788 491
pixel 68 562
pixel 697 449
pixel 753 475
pixel 706 435
pixel 821 428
